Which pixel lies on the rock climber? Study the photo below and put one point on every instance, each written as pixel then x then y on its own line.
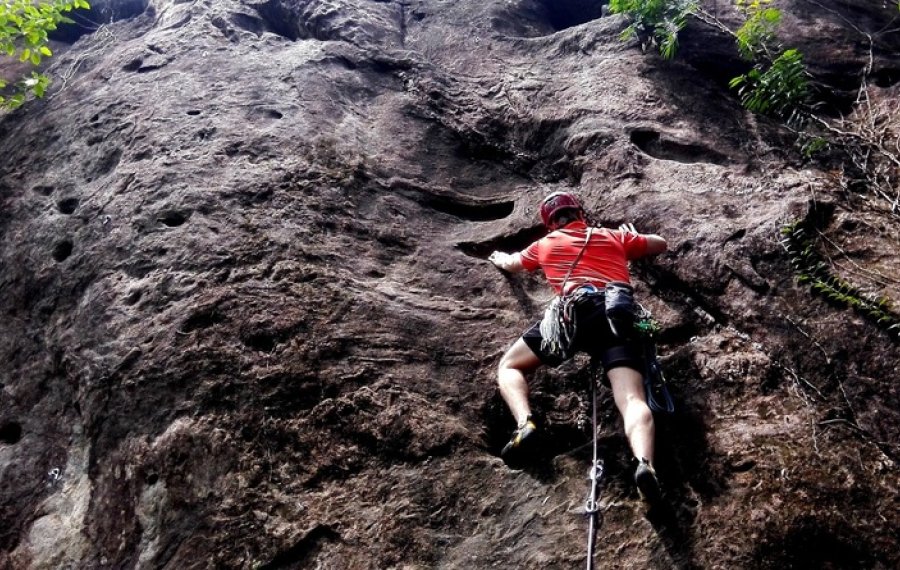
pixel 584 270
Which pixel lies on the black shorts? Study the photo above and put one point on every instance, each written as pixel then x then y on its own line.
pixel 593 336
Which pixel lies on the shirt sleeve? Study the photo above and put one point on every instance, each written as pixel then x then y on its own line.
pixel 635 244
pixel 530 256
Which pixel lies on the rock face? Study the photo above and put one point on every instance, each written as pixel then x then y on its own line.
pixel 248 321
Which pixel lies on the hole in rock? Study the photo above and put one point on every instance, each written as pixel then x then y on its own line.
pixel 133 297
pixel 508 243
pixel 886 77
pixel 651 143
pixel 101 12
pixel 67 205
pixel 152 478
pixel 281 20
pixel 562 14
pixel 290 394
pixel 193 112
pixel 482 150
pixel 644 138
pixel 849 225
pixel 108 163
pixel 44 190
pixel 736 235
pixel 249 23
pixel 201 320
pixel 206 134
pixel 261 341
pixel 11 433
pixel 467 211
pixel 304 552
pixel 743 466
pixel 62 250
pixel 133 65
pixel 172 218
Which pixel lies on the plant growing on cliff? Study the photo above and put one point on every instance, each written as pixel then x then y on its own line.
pixel 758 30
pixel 655 22
pixel 24 29
pixel 812 269
pixel 777 84
pixel 778 89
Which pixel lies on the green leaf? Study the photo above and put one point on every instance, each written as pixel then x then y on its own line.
pixel 737 81
pixel 46 51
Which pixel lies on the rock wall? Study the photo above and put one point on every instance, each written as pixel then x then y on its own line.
pixel 248 321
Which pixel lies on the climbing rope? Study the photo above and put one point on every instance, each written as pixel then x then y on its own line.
pixel 591 506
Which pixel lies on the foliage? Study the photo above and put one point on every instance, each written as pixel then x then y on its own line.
pixel 812 269
pixel 655 22
pixel 776 85
pixel 779 89
pixel 758 30
pixel 24 28
pixel 811 144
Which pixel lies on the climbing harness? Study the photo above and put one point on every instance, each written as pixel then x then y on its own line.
pixel 591 506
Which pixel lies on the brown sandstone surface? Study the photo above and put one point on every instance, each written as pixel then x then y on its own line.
pixel 248 321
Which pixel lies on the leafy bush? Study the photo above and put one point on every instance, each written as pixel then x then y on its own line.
pixel 758 30
pixel 24 25
pixel 655 22
pixel 779 89
pixel 776 85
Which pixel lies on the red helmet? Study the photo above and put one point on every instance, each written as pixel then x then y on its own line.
pixel 557 202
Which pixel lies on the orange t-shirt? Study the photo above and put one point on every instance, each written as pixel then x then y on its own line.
pixel 604 259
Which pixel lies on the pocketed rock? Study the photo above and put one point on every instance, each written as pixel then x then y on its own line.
pixel 271 338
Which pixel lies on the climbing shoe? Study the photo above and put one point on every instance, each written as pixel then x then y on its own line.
pixel 646 481
pixel 521 438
